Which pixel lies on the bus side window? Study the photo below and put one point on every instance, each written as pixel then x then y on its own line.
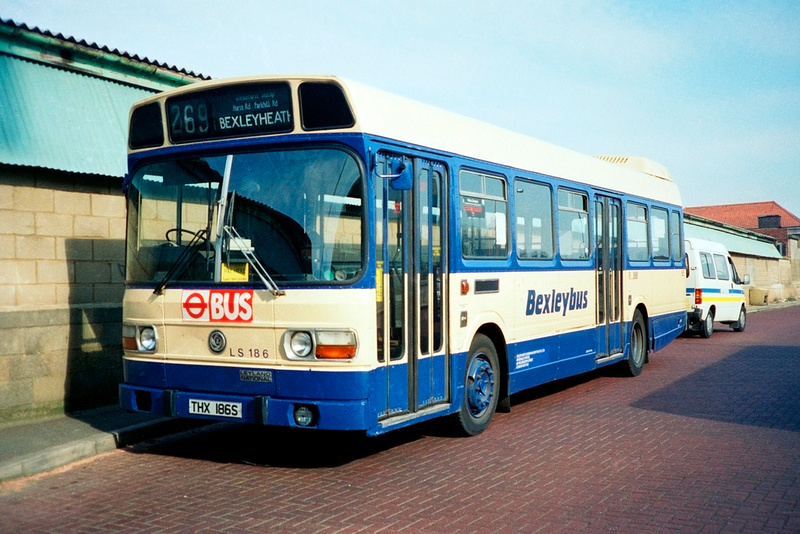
pixel 638 243
pixel 676 236
pixel 484 215
pixel 573 225
pixel 533 206
pixel 659 234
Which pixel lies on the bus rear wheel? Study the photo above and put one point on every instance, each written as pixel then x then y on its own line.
pixel 481 388
pixel 637 350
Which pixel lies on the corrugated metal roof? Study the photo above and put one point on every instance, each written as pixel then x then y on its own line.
pixel 64 103
pixel 735 243
pixel 59 119
pixel 44 39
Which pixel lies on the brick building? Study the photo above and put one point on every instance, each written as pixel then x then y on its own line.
pixel 768 218
pixel 63 118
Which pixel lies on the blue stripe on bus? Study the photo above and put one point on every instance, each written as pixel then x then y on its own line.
pixel 354 400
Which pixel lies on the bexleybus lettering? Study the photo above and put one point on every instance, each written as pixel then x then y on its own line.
pixel 556 302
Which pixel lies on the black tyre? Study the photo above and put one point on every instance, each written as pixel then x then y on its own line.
pixel 481 388
pixel 707 326
pixel 739 325
pixel 637 352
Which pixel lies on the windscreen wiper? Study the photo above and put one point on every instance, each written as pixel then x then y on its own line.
pixel 244 248
pixel 182 261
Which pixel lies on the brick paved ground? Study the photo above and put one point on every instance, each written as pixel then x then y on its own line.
pixel 706 440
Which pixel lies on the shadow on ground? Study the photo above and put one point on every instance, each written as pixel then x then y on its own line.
pixel 276 447
pixel 758 386
pixel 298 448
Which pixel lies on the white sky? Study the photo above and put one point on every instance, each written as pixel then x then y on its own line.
pixel 709 89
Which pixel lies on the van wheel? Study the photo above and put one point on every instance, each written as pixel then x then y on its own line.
pixel 637 352
pixel 707 327
pixel 739 325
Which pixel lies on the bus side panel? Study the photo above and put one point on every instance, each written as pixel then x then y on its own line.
pixel 662 291
pixel 398 396
pixel 667 327
pixel 543 360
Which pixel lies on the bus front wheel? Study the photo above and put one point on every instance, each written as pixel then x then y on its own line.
pixel 481 388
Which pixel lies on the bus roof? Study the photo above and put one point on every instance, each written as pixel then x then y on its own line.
pixel 382 114
pixel 388 115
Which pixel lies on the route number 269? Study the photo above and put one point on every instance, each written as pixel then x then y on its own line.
pixel 188 120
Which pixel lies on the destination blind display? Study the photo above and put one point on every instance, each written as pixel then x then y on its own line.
pixel 244 110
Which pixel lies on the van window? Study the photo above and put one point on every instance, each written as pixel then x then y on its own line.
pixel 722 267
pixel 708 265
pixel 734 274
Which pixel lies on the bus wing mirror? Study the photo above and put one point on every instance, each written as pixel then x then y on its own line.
pixel 746 279
pixel 400 175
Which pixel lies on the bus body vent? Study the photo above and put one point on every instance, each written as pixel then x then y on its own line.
pixel 638 163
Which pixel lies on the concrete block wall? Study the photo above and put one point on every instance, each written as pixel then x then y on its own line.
pixel 770 278
pixel 61 285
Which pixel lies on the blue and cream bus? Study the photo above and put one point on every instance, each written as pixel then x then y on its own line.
pixel 311 252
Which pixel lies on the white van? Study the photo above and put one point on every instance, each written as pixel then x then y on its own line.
pixel 714 291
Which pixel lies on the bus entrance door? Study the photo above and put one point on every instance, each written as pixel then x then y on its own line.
pixel 429 288
pixel 608 255
pixel 409 239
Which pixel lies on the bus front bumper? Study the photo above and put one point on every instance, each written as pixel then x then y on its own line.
pixel 258 409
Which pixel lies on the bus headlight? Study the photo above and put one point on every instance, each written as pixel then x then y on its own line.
pixel 301 344
pixel 147 338
pixel 139 338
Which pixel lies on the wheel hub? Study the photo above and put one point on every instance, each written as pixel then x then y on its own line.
pixel 480 386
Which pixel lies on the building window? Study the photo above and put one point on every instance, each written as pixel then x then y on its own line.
pixel 769 221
